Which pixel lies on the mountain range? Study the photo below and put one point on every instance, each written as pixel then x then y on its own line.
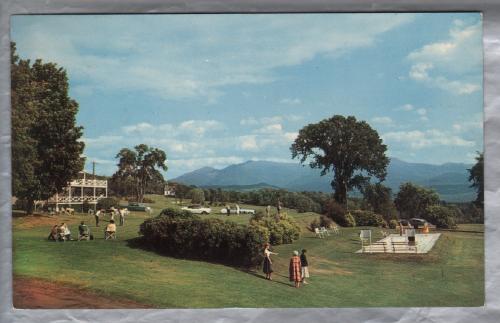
pixel 450 180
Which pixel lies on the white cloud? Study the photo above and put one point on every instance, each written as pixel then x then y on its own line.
pixel 469 125
pixel 275 128
pixel 291 101
pixel 448 64
pixel 248 143
pixel 406 107
pixel 154 53
pixel 382 120
pixel 424 139
pixel 102 140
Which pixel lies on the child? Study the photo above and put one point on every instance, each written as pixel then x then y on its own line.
pixel 304 266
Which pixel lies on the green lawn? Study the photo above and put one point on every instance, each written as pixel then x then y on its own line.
pixel 452 274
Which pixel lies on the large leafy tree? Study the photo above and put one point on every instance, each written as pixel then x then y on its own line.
pixel 46 150
pixel 351 149
pixel 141 165
pixel 476 176
pixel 413 200
pixel 379 198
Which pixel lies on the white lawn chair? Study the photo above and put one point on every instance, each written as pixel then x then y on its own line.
pixel 318 233
pixel 324 231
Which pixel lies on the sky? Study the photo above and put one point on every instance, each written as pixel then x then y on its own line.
pixel 215 90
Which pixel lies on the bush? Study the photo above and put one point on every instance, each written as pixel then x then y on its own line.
pixel 210 239
pixel 281 231
pixel 177 214
pixel 325 221
pixel 441 216
pixel 336 212
pixel 107 203
pixel 368 218
pixel 315 224
pixel 349 220
pixel 393 224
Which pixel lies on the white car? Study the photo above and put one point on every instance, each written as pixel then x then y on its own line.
pixel 197 209
pixel 235 211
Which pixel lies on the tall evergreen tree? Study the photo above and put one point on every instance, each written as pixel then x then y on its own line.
pixel 46 151
pixel 476 176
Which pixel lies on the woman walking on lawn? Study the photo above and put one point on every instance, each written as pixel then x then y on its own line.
pixel 268 270
pixel 294 269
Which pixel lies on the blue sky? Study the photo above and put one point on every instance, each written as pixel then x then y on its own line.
pixel 213 90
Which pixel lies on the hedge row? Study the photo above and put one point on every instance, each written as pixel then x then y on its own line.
pixel 181 234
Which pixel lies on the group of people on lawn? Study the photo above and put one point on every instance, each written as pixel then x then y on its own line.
pixel 120 212
pixel 298 270
pixel 62 232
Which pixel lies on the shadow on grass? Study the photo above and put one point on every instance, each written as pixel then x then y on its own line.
pixel 254 273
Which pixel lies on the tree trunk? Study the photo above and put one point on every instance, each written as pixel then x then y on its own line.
pixel 30 205
pixel 340 194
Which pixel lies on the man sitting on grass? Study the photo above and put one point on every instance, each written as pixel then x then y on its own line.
pixel 84 231
pixel 110 232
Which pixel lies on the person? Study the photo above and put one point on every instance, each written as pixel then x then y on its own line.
pixel 66 233
pixel 294 269
pixel 97 215
pixel 228 208
pixel 304 266
pixel 278 207
pixel 112 218
pixel 110 229
pixel 267 268
pixel 237 209
pixel 121 212
pixel 268 210
pixel 53 233
pixel 84 231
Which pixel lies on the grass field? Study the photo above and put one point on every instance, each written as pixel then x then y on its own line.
pixel 452 274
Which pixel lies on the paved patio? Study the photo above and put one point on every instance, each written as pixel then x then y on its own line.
pixel 424 243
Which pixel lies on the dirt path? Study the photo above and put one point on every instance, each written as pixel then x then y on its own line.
pixel 36 293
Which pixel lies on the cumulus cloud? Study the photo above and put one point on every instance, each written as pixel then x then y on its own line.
pixel 417 139
pixel 382 120
pixel 291 101
pixel 221 50
pixel 449 64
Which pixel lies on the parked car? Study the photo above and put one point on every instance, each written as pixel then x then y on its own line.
pixel 197 209
pixel 420 223
pixel 234 211
pixel 138 207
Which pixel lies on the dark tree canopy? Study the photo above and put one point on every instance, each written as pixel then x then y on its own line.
pixel 349 148
pixel 476 176
pixel 412 200
pixel 139 165
pixel 46 151
pixel 379 198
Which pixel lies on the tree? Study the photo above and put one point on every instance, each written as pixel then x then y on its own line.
pixel 197 196
pixel 476 176
pixel 379 198
pixel 412 200
pixel 140 165
pixel 345 146
pixel 46 151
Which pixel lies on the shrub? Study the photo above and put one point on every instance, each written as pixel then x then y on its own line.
pixel 210 239
pixel 441 216
pixel 393 224
pixel 349 220
pixel 336 212
pixel 325 221
pixel 107 202
pixel 368 218
pixel 177 214
pixel 282 230
pixel 314 224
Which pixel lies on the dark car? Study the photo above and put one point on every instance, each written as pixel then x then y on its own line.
pixel 420 223
pixel 138 207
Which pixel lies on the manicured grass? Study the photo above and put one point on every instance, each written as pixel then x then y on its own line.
pixel 452 274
